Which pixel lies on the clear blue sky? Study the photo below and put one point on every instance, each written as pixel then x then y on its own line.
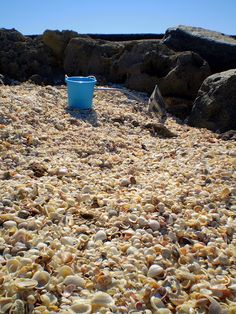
pixel 117 16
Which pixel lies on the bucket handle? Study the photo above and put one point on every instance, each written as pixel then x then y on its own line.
pixel 92 76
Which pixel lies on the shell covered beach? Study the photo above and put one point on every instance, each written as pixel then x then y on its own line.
pixel 99 214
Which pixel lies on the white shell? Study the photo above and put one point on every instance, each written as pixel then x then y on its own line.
pixel 102 299
pixel 81 308
pixel 43 278
pixel 74 280
pixel 100 235
pixel 155 271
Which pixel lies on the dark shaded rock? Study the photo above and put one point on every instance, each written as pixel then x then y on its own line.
pixel 186 76
pixel 229 135
pixel 158 129
pixel 215 105
pixel 216 48
pixel 22 57
pixel 38 169
pixel 36 78
pixel 84 56
pixel 141 63
pixel 147 63
pixel 179 107
pixel 58 40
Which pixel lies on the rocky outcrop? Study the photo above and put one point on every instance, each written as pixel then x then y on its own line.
pixel 58 40
pixel 216 48
pixel 215 105
pixel 88 56
pixel 22 57
pixel 139 65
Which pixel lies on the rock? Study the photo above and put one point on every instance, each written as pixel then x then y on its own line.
pixel 215 105
pixel 21 57
pixel 179 107
pixel 38 169
pixel 158 129
pixel 87 56
pixel 216 48
pixel 143 64
pixel 57 41
pixel 36 78
pixel 186 76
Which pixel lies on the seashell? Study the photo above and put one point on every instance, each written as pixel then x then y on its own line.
pixel 42 278
pixel 154 225
pixel 65 271
pixel 156 271
pixel 74 280
pixel 81 307
pixel 102 299
pixel 9 224
pixel 18 307
pixel 100 236
pixel 13 265
pixel 25 283
pixel 48 299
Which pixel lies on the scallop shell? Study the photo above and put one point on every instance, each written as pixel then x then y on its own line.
pixel 81 308
pixel 156 271
pixel 25 283
pixel 13 265
pixel 74 280
pixel 65 271
pixel 102 299
pixel 42 278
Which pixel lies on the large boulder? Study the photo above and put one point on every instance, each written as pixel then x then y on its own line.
pixel 144 64
pixel 215 105
pixel 216 48
pixel 140 65
pixel 21 57
pixel 84 56
pixel 58 40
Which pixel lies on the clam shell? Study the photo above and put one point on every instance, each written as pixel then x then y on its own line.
pixel 81 308
pixel 74 280
pixel 156 271
pixel 102 299
pixel 13 265
pixel 42 278
pixel 25 283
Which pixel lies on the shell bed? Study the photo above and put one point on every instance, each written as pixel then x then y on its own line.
pixel 100 215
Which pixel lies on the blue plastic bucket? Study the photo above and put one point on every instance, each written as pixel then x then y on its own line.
pixel 80 91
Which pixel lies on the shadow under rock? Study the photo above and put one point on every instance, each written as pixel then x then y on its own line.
pixel 86 115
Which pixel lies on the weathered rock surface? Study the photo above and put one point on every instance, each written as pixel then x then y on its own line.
pixel 216 48
pixel 140 65
pixel 215 105
pixel 58 40
pixel 22 57
pixel 87 56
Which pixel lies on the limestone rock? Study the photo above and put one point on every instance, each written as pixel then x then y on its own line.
pixel 57 41
pixel 216 48
pixel 215 105
pixel 87 56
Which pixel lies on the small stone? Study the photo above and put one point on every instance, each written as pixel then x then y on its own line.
pixel 24 214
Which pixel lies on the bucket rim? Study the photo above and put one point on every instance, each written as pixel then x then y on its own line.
pixel 88 80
